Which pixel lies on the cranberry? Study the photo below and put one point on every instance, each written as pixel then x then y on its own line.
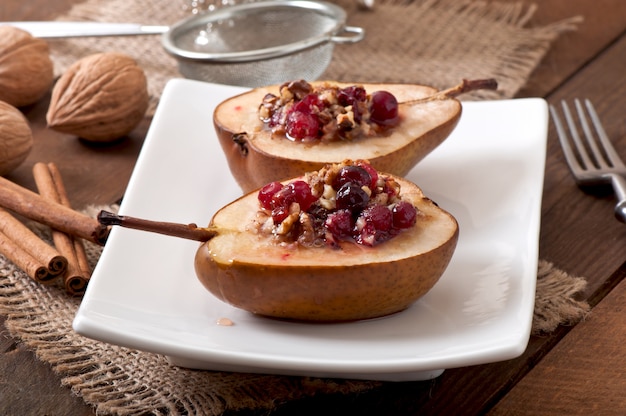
pixel 296 191
pixel 282 198
pixel 371 171
pixel 311 103
pixel 368 235
pixel 340 224
pixel 279 214
pixel 303 121
pixel 350 95
pixel 302 125
pixel 267 192
pixel 379 216
pixel 303 194
pixel 374 225
pixel 354 174
pixel 384 109
pixel 353 96
pixel 404 215
pixel 350 196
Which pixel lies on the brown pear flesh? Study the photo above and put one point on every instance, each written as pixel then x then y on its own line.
pixel 256 157
pixel 252 272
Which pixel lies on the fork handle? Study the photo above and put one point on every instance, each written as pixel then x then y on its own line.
pixel 619 186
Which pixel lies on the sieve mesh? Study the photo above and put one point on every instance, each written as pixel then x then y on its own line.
pixel 258 44
pixel 308 64
pixel 248 32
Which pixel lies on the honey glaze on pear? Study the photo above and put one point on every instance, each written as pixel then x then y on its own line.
pixel 256 155
pixel 254 266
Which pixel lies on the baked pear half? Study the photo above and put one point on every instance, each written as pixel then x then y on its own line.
pixel 344 282
pixel 343 243
pixel 257 156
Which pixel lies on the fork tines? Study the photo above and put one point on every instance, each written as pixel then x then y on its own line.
pixel 594 160
pixel 595 152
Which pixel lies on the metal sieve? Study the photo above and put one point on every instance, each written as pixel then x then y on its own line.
pixel 260 43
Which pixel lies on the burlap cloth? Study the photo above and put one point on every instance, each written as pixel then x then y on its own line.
pixel 436 42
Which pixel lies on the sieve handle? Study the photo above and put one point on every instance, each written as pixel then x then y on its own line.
pixel 63 29
pixel 357 34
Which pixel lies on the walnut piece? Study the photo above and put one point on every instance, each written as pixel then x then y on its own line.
pixel 100 98
pixel 26 71
pixel 16 138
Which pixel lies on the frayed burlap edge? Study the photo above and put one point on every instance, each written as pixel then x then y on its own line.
pixel 555 299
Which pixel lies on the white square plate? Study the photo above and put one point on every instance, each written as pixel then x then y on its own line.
pixel 489 174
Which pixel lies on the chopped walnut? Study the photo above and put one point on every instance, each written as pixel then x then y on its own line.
pixel 285 226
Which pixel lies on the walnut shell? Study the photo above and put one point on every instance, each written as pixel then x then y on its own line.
pixel 99 98
pixel 16 138
pixel 26 70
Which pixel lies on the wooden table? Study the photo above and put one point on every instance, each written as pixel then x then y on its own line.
pixel 579 370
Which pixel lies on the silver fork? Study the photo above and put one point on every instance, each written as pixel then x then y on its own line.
pixel 593 161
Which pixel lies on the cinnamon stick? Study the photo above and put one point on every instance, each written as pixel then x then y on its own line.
pixel 24 260
pixel 33 206
pixel 83 267
pixel 79 282
pixel 50 185
pixel 42 262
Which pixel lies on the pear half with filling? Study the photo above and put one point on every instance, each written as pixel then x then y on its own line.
pixel 243 263
pixel 251 271
pixel 256 156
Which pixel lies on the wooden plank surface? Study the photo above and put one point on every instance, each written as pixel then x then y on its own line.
pixel 603 22
pixel 30 387
pixel 584 374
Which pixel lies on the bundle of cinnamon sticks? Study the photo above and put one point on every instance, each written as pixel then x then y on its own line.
pixel 65 259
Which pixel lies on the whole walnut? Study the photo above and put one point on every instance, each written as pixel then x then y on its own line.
pixel 100 98
pixel 26 70
pixel 16 138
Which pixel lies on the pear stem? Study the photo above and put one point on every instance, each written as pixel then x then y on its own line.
pixel 470 85
pixel 187 231
pixel 462 88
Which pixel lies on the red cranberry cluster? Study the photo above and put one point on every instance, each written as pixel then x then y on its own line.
pixel 328 112
pixel 345 202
